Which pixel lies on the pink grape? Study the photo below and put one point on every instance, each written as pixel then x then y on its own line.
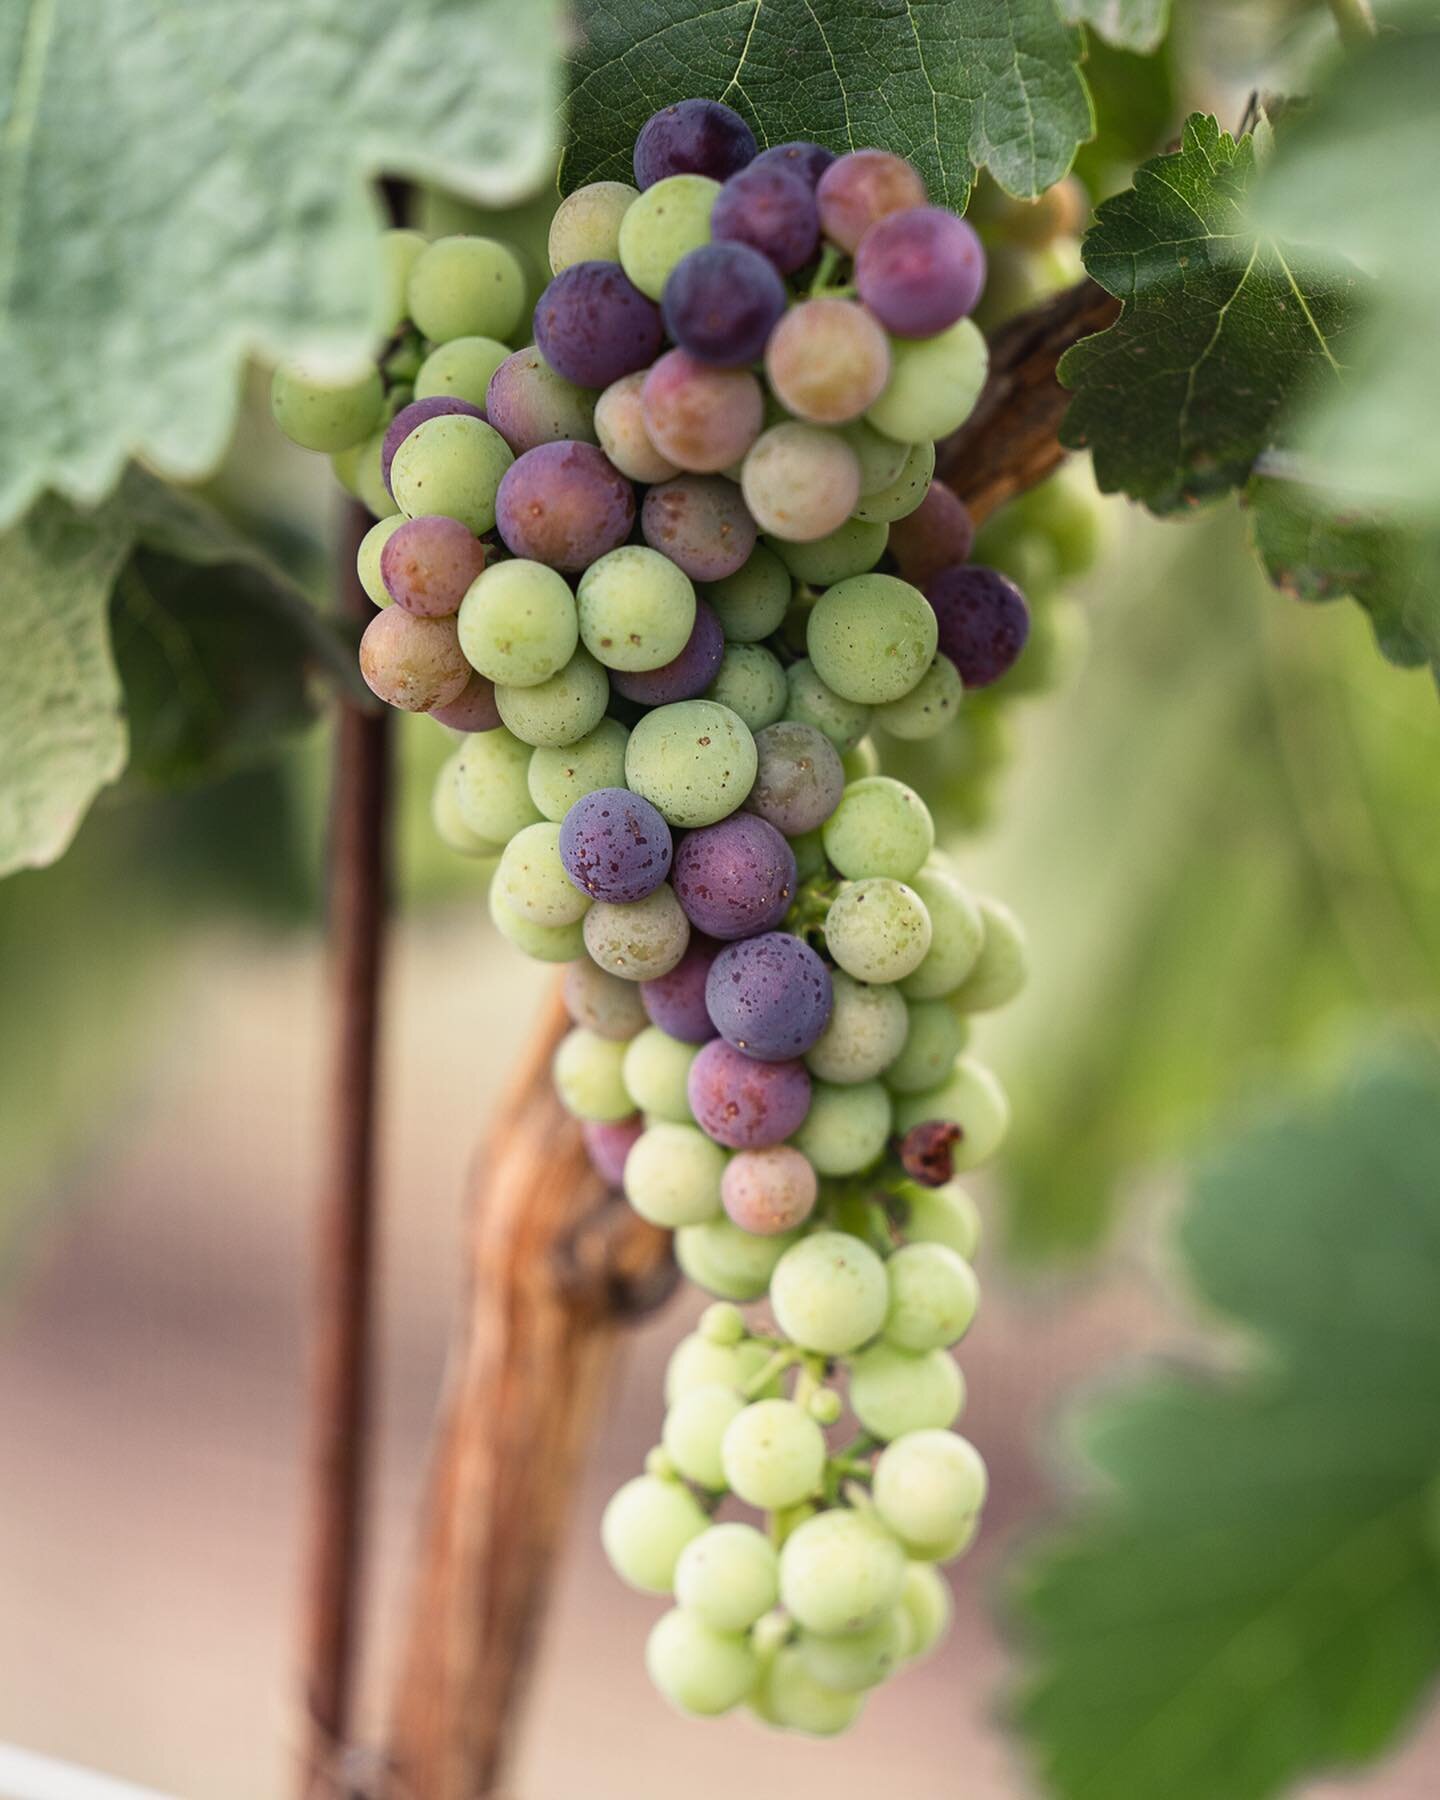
pixel 920 271
pixel 745 1104
pixel 564 505
pixel 413 662
pixel 529 404
pixel 769 1191
pixel 770 207
pixel 800 482
pixel 938 533
pixel 607 1145
pixel 473 710
pixel 676 1002
pixel 827 361
pixel 701 523
pixel 428 564
pixel 620 426
pixel 862 187
pixel 702 419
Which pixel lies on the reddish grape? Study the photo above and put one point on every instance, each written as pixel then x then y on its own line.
pixel 769 1191
pixel 608 1144
pixel 770 207
pixel 676 1002
pixel 745 1104
pixel 770 996
pixel 721 303
pixel 701 523
pixel 693 137
pixel 408 417
pixel 983 621
pixel 529 404
pixel 799 777
pixel 685 676
pixel 862 187
pixel 564 505
pixel 411 662
pixel 428 563
pixel 620 426
pixel 593 325
pixel 735 878
pixel 827 361
pixel 703 419
pixel 938 533
pixel 473 710
pixel 920 271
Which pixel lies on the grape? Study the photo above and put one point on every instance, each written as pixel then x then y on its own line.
pixel 586 1068
pixel 790 1697
pixel 863 187
pixel 700 523
pixel 851 1662
pixel 637 610
pixel 460 370
pixel 724 1260
pixel 559 712
pixel 920 271
pixel 358 470
pixel 972 1099
pixel 926 1600
pixel 615 846
pixel 686 675
pixel 721 303
pixel 518 624
pixel 398 250
pixel 851 549
pixel 935 1039
pixel 728 1577
pixel 603 1003
pixel 323 409
pixel 933 1297
pixel 722 1323
pixel 428 564
pixel 412 662
pixel 846 1129
pixel 929 1486
pixel 608 1143
pixel 639 940
pixel 697 1669
pixel 745 1104
pixel 957 930
pixel 586 225
pixel 751 603
pixel 934 384
pixel 999 969
pixel 798 779
pixel 752 684
pixel 474 709
pixel 827 361
pixel 893 1391
pixel 906 493
pixel 532 881
pixel 769 1191
pixel 828 1293
pixel 692 137
pixel 702 419
pixel 445 815
pixel 695 761
pixel 773 1454
pixel 938 533
pixel 465 287
pixel 559 777
pixel 871 638
pixel 620 426
pixel 769 995
pixel 439 406
pixel 564 505
pixel 367 557
pixel 862 762
pixel 545 943
pixel 770 207
pixel 529 404
pixel 880 827
pixel 656 1069
pixel 676 1002
pixel 928 708
pixel 840 1572
pixel 666 223
pixel 693 1429
pixel 942 1216
pixel 696 1360
pixel 735 878
pixel 983 621
pixel 800 482
pixel 452 465
pixel 593 325
pixel 842 722
pixel 881 459
pixel 865 1034
pixel 877 930
pixel 645 1526
pixel 805 159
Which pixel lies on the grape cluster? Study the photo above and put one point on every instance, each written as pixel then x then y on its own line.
pixel 664 570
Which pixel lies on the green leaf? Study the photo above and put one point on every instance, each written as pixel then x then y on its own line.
pixel 952 84
pixel 1255 1596
pixel 1222 329
pixel 1138 25
pixel 182 186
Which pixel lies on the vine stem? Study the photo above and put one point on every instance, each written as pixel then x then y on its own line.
pixel 1355 22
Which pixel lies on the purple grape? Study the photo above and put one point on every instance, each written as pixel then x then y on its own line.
pixel 809 161
pixel 593 325
pixel 676 1002
pixel 693 137
pixel 744 1104
pixel 735 878
pixel 769 996
pixel 721 303
pixel 939 532
pixel 615 846
pixel 685 676
pixel 799 777
pixel 564 505
pixel 769 1191
pixel 770 207
pixel 609 1144
pixel 701 523
pixel 408 417
pixel 475 710
pixel 529 404
pixel 427 564
pixel 983 620
pixel 919 271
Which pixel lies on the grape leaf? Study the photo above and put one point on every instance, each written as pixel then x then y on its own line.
pixel 180 186
pixel 952 84
pixel 1256 1594
pixel 1138 25
pixel 1222 329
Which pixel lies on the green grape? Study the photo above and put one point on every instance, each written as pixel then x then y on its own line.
pixel 809 855
pixel 880 827
pixel 451 465
pixel 359 470
pixel 999 969
pixel 929 1487
pixel 751 603
pixel 559 777
pixel 321 409
pixel 697 1669
pixel 656 1069
pixel 696 1361
pixel 851 1662
pixel 862 761
pixel 773 1454
pixel 851 549
pixel 544 943
pixel 694 1426
pixel 620 427
pixel 645 1526
pixel 871 638
pixel 934 1040
pixel 828 1293
pixel 881 459
pixel 933 1297
pixel 667 221
pixel 927 1603
pixel 800 481
pixel 825 1406
pixel 586 225
pixel 974 1100
pixel 944 1215
pixel 877 930
pixel 449 821
pixel 933 386
pixel 367 558
pixel 722 1322
pixel 1069 509
pixel 726 1261
pixel 398 250
pixel 695 761
pixel 466 287
pixel 790 1697
pixel 864 1035
pixel 728 1577
pixel 893 1391
pixel 811 702
pixel 554 714
pixel 517 622
pixel 846 1128
pixel 906 491
pixel 587 1072
pixel 460 370
pixel 636 608
pixel 638 939
pixel 603 1002
pixel 532 881
pixel 841 1571
pixel 752 684
pixel 491 787
pixel 928 708
pixel 957 930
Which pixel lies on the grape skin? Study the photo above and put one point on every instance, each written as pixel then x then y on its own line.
pixel 871 638
pixel 735 878
pixel 721 303
pixel 532 881
pixel 636 609
pixel 974 1099
pixel 695 761
pixel 769 1191
pixel 494 795
pixel 934 384
pixel 878 930
pixel 929 1486
pixel 920 271
pixel 367 557
pixel 411 662
pixel 323 411
pixel 983 621
pixel 529 404
pixel 701 419
pixel 461 369
pixel 828 361
pixel 895 1391
pixel 699 1670
pixel 770 206
pixel 773 1454
pixel 957 935
pixel 563 505
pixel 473 709
pixel 853 548
pixel 701 524
pixel 906 493
pixel 586 225
pixel 858 189
pixel 656 1069
pixel 769 995
pixel 745 1104
pixel 560 711
pixel 620 427
pixel 517 623
pixel 687 674
pixel 615 846
pixel 728 1576
pixel 929 707
pixel 587 1075
pixel 809 161
pixel 840 1572
pixel 933 1297
pixel 829 1294
pixel 799 481
pixel 866 1032
pixel 640 939
pixel 938 534
pixel 593 325
pixel 846 1128
pixel 455 465
pixel 692 136
pixel 880 827
pixel 465 287
pixel 558 777
pixel 728 1262
pixel 440 406
pixel 752 602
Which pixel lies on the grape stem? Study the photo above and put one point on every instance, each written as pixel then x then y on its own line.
pixel 766 1373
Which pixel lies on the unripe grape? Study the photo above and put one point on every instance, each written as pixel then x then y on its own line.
pixel 602 1002
pixel 941 1216
pixel 829 1293
pixel 893 1391
pixel 878 930
pixel 865 1034
pixel 728 1576
pixel 773 1454
pixel 694 1427
pixel 1001 965
pixel 656 1069
pixel 532 882
pixel 974 1100
pixel 846 1128
pixel 697 1669
pixel 770 1190
pixel 673 1174
pixel 640 939
pixel 854 1661
pixel 586 225
pixel 587 1072
pixel 645 1526
pixel 841 1571
pixel 725 1261
pixel 880 827
pixel 411 662
pixel 696 1361
pixel 928 1488
pixel 933 1297
pixel 927 1603
pixel 934 1040
pixel 790 1697
pixel 722 1323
